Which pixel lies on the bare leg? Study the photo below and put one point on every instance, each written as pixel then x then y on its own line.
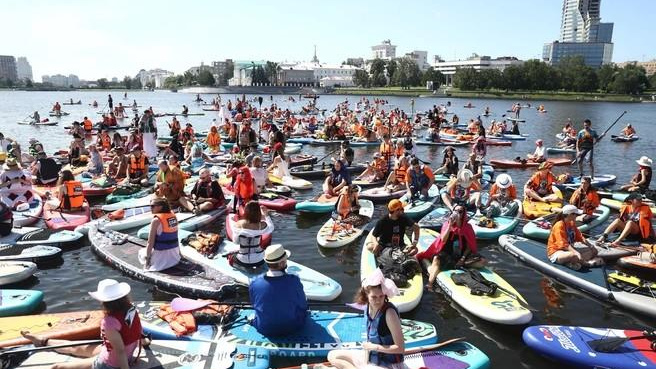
pixel 630 228
pixel 616 224
pixel 532 195
pixel 433 270
pixel 206 206
pixel 446 199
pixel 568 257
pixel 86 351
pixel 344 359
pixel 185 203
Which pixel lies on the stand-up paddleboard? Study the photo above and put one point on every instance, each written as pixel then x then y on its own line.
pixel 590 280
pixel 541 227
pixel 15 271
pixel 337 234
pixel 617 204
pixel 381 194
pixel 35 254
pixel 291 181
pixel 601 180
pixel 231 225
pixel 57 219
pixel 642 262
pixel 39 236
pixel 317 286
pixel 79 325
pixel 129 203
pixel 534 209
pixel 458 355
pixel 173 354
pixel 319 204
pixel 17 302
pixel 506 306
pixel 120 251
pixel 572 346
pixel 410 296
pixel 132 218
pixel 31 214
pixel 188 221
pixel 417 208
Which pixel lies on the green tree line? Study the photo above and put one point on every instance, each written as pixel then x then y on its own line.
pixel 404 73
pixel 570 75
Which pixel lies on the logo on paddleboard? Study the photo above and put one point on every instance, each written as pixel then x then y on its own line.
pixel 186 359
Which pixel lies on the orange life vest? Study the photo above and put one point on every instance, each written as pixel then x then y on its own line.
pixel 213 139
pixel 74 198
pixel 168 239
pixel 644 218
pixel 400 174
pixel 137 166
pixel 88 125
pixel 105 142
pixel 343 207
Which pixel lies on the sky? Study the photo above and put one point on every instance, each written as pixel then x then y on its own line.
pixel 104 39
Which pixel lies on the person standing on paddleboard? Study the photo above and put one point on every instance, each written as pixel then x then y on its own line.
pixel 384 346
pixel 120 331
pixel 278 298
pixel 585 141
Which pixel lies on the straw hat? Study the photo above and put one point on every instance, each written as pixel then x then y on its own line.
pixel 275 254
pixel 466 177
pixel 110 290
pixel 644 161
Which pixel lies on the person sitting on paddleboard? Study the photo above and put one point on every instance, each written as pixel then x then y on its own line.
pixel 69 193
pixel 259 174
pixel 501 200
pixel 138 167
pixel 540 186
pixel 347 207
pixel 376 170
pixel 385 345
pixel 474 165
pixel 45 170
pixel 278 298
pixel 346 153
pixel 634 222
pixel 566 244
pixel 169 183
pixel 640 181
pixel 396 179
pixel 118 167
pixel 480 147
pixel 206 195
pixel 248 233
pixel 449 163
pixel 15 184
pixel 419 179
pixel 163 250
pixel 586 199
pixel 36 118
pixel 462 190
pixel 338 178
pixel 628 131
pixel 280 164
pixel 538 155
pixel 455 247
pixel 95 165
pixel 120 330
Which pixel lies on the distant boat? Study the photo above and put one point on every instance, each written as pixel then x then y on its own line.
pixel 174 90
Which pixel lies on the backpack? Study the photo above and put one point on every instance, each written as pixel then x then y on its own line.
pixel 475 281
pixel 397 266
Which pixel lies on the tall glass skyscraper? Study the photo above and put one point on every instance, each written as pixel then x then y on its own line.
pixel 582 33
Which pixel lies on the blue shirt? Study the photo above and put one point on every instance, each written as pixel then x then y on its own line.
pixel 280 304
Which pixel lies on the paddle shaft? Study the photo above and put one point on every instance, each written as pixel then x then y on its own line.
pixel 330 153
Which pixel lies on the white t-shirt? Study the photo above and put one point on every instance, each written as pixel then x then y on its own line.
pixel 259 176
pixel 539 151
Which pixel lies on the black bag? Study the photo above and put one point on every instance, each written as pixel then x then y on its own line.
pixel 477 284
pixel 6 219
pixel 397 266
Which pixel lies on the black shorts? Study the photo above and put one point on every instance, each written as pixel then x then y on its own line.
pixel 584 153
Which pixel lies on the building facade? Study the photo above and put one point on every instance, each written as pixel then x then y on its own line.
pixel 295 75
pixel 154 77
pixel 243 72
pixel 581 34
pixel 478 63
pixel 419 57
pixel 23 69
pixel 385 50
pixel 61 80
pixel 8 68
pixel 650 66
pixel 220 70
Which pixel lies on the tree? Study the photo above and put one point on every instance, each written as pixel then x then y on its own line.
pixel 361 78
pixel 259 75
pixel 171 82
pixel 631 79
pixel 540 76
pixel 28 83
pixel 378 78
pixel 391 67
pixel 102 83
pixel 489 79
pixel 432 75
pixel 605 76
pixel 652 81
pixel 465 79
pixel 406 73
pixel 576 76
pixel 205 78
pixel 127 82
pixel 513 78
pixel 271 71
pixel 189 78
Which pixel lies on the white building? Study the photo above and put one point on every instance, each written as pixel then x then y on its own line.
pixel 295 75
pixel 23 69
pixel 61 80
pixel 385 50
pixel 478 63
pixel 419 57
pixel 155 76
pixel 243 72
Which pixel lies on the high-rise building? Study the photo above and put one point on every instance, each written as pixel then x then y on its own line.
pixel 582 33
pixel 419 57
pixel 385 50
pixel 8 68
pixel 23 69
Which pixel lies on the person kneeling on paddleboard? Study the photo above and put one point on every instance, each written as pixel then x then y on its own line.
pixel 462 190
pixel 120 331
pixel 540 186
pixel 393 257
pixel 278 298
pixel 419 178
pixel 163 250
pixel 454 248
pixel 566 244
pixel 338 179
pixel 384 346
pixel 634 222
pixel 501 200
pixel 396 179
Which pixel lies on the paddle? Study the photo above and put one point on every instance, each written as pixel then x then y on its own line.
pixel 408 351
pixel 8 355
pixel 602 135
pixel 612 344
pixel 330 153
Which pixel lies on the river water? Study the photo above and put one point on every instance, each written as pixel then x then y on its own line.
pixel 65 284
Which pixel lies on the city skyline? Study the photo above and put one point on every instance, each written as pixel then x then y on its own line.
pixel 94 41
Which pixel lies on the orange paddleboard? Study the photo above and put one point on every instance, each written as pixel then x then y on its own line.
pixel 81 325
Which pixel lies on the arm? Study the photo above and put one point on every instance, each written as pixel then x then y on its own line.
pixel 154 226
pixel 394 324
pixel 415 239
pixel 114 338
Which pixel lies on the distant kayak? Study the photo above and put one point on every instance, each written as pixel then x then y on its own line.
pixel 625 138
pixel 506 163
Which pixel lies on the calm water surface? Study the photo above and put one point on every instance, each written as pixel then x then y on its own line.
pixel 65 284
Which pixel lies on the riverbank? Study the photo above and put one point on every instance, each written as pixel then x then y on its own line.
pixel 505 95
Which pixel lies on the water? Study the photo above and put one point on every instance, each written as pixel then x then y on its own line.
pixel 66 284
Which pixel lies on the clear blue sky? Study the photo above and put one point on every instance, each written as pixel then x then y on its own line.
pixel 114 38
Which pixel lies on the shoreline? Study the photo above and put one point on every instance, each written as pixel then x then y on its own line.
pixel 500 95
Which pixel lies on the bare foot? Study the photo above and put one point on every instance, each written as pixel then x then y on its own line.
pixel 36 340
